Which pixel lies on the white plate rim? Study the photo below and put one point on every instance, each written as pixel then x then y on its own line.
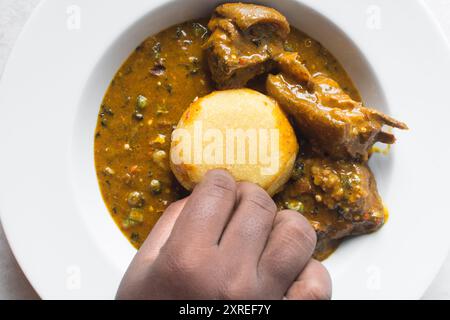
pixel 6 215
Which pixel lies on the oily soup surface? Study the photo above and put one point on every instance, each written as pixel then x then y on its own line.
pixel 142 106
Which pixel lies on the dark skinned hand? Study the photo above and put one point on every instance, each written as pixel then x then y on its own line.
pixel 227 241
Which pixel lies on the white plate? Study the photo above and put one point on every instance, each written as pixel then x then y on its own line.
pixel 51 208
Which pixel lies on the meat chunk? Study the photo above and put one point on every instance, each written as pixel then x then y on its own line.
pixel 333 122
pixel 338 197
pixel 244 39
pixel 289 62
pixel 246 16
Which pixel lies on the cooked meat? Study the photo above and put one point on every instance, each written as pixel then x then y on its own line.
pixel 246 16
pixel 333 122
pixel 290 63
pixel 339 197
pixel 244 39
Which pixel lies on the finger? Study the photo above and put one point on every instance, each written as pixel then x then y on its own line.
pixel 251 224
pixel 160 232
pixel 314 283
pixel 288 250
pixel 206 212
pixel 150 248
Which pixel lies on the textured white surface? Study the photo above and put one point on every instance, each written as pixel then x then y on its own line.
pixel 440 288
pixel 13 15
pixel 13 284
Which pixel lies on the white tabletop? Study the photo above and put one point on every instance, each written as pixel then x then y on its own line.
pixel 13 284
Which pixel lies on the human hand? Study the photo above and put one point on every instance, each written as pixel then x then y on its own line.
pixel 227 241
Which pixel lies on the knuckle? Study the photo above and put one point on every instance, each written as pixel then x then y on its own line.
pixel 297 230
pixel 275 264
pixel 296 241
pixel 219 183
pixel 257 197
